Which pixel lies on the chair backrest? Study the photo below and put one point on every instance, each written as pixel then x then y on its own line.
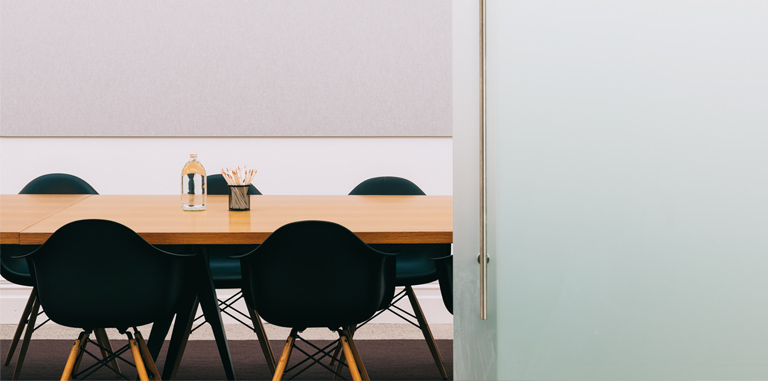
pixel 316 274
pixel 387 185
pixel 100 274
pixel 217 185
pixel 444 267
pixel 414 265
pixel 58 183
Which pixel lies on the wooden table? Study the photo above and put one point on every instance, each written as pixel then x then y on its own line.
pixel 160 219
pixel 20 211
pixel 31 219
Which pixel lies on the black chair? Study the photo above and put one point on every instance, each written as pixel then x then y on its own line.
pixel 225 272
pixel 444 267
pixel 15 270
pixel 317 274
pixel 217 185
pixel 414 264
pixel 96 274
pixel 58 183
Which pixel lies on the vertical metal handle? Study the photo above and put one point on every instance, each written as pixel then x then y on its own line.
pixel 483 257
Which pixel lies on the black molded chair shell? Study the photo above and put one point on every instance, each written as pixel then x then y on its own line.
pixel 14 269
pixel 316 274
pixel 387 185
pixel 444 267
pixel 58 183
pixel 414 265
pixel 101 274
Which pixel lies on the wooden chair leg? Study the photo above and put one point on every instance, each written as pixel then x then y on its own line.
pixel 140 368
pixel 80 355
pixel 335 355
pixel 20 328
pixel 74 354
pixel 285 356
pixel 338 349
pixel 103 340
pixel 360 365
pixel 338 360
pixel 258 326
pixel 149 363
pixel 350 357
pixel 27 337
pixel 426 331
pixel 339 363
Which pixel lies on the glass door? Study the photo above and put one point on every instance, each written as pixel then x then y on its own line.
pixel 627 190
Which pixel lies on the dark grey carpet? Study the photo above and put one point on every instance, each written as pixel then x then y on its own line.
pixel 384 360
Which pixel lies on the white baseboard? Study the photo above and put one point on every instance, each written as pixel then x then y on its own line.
pixel 13 298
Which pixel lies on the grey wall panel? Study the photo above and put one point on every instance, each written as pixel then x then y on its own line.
pixel 236 68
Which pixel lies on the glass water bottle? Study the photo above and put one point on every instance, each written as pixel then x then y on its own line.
pixel 193 188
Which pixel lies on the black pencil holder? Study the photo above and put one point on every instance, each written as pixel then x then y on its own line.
pixel 239 199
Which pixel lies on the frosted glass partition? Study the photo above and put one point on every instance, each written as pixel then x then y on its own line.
pixel 633 197
pixel 629 190
pixel 474 339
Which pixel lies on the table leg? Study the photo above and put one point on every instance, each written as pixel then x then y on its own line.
pixel 184 319
pixel 158 334
pixel 210 304
pixel 204 295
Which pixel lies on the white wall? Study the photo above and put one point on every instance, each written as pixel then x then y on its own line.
pixel 291 166
pixel 285 165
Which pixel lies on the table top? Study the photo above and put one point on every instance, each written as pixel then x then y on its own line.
pixel 160 219
pixel 20 211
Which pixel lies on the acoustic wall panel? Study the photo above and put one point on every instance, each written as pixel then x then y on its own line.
pixel 234 68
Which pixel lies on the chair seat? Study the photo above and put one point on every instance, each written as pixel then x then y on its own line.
pixel 225 271
pixel 226 276
pixel 414 263
pixel 408 274
pixel 445 275
pixel 16 270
